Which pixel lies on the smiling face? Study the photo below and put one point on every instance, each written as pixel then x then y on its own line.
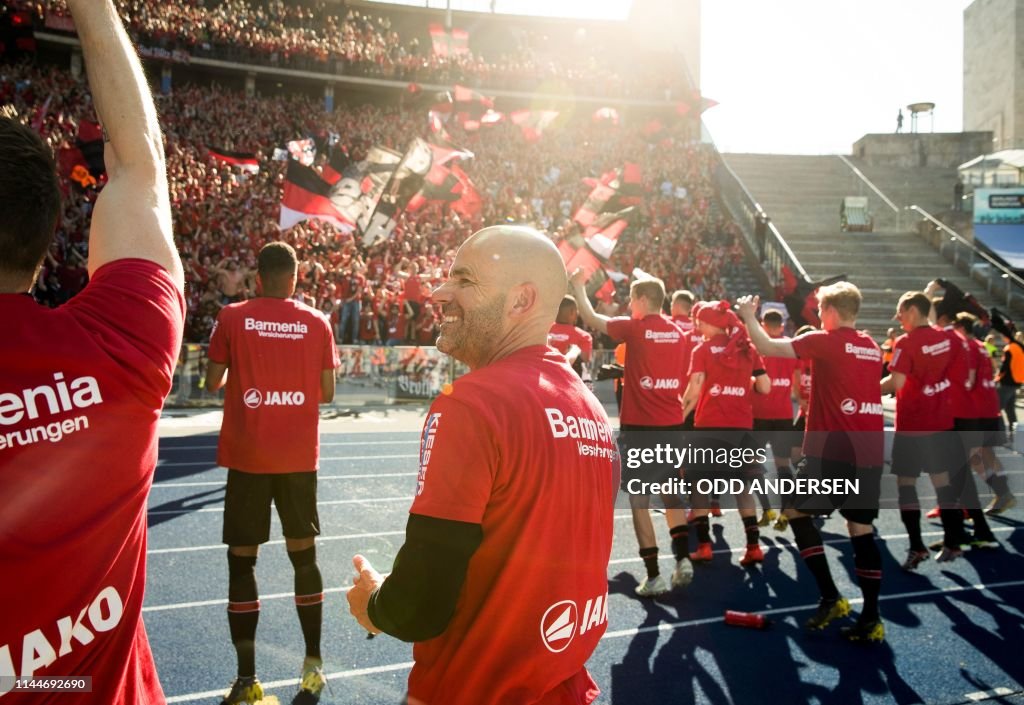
pixel 472 309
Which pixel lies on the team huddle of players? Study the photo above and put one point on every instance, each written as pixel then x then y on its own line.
pixel 717 376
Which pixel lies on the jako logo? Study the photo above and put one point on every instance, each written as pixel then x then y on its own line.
pixel 562 621
pixel 848 406
pixel 253 398
pixel 727 390
pixel 647 383
pixel 558 626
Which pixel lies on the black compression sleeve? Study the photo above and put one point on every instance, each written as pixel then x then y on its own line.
pixel 417 600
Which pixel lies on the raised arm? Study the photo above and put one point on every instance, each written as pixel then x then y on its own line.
pixel 132 218
pixel 766 345
pixel 592 319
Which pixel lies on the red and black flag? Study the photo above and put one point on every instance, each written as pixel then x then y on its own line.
pixel 801 297
pixel 356 194
pixel 406 181
pixel 470 108
pixel 336 165
pixel 613 191
pixel 246 161
pixel 448 43
pixel 533 122
pixel 308 197
pixel 470 204
pixel 592 248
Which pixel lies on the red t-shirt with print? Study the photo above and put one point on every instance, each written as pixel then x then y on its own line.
pixel 725 397
pixel 275 350
pixel 523 449
pixel 81 388
pixel 654 377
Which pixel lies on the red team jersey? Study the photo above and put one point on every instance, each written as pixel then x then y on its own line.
pixel 562 335
pixel 655 373
pixel 692 338
pixel 924 355
pixel 81 388
pixel 984 396
pixel 725 398
pixel 846 366
pixel 960 400
pixel 275 350
pixel 523 449
pixel 778 403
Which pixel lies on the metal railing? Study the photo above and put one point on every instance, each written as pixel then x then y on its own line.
pixel 998 279
pixel 368 375
pixel 772 252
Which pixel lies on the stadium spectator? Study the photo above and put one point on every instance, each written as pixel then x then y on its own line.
pixel 282 358
pixel 78 466
pixel 500 475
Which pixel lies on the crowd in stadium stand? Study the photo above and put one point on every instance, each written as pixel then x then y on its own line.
pixel 316 37
pixel 223 216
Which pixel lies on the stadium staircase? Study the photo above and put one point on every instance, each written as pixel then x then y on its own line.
pixel 802 194
pixel 743 279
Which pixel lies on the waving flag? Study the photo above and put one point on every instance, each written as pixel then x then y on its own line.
pixel 246 161
pixel 592 248
pixel 307 197
pixel 405 182
pixel 533 122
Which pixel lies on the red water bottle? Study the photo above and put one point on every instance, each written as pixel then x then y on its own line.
pixel 746 619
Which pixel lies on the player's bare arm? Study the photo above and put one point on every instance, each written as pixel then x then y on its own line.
pixel 132 217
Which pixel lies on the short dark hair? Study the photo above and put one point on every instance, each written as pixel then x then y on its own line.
pixel 568 304
pixel 277 263
pixel 915 299
pixel 943 309
pixel 29 197
pixel 772 317
pixel 965 322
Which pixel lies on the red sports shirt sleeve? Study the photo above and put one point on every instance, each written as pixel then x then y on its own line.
pixel 902 360
pixel 698 360
pixel 808 346
pixel 458 463
pixel 138 314
pixel 620 328
pixel 220 345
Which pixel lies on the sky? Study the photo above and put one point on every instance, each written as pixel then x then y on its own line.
pixel 809 76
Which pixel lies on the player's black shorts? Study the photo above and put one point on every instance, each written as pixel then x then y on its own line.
pixel 981 433
pixel 639 445
pixel 932 453
pixel 247 506
pixel 800 425
pixel 860 506
pixel 779 433
pixel 722 453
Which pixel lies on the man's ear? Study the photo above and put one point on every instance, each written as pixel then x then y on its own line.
pixel 522 300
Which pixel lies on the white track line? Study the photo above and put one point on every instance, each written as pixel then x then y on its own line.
pixel 213 446
pixel 319 478
pixel 617 561
pixel 276 542
pixel 213 463
pixel 368 500
pixel 664 627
